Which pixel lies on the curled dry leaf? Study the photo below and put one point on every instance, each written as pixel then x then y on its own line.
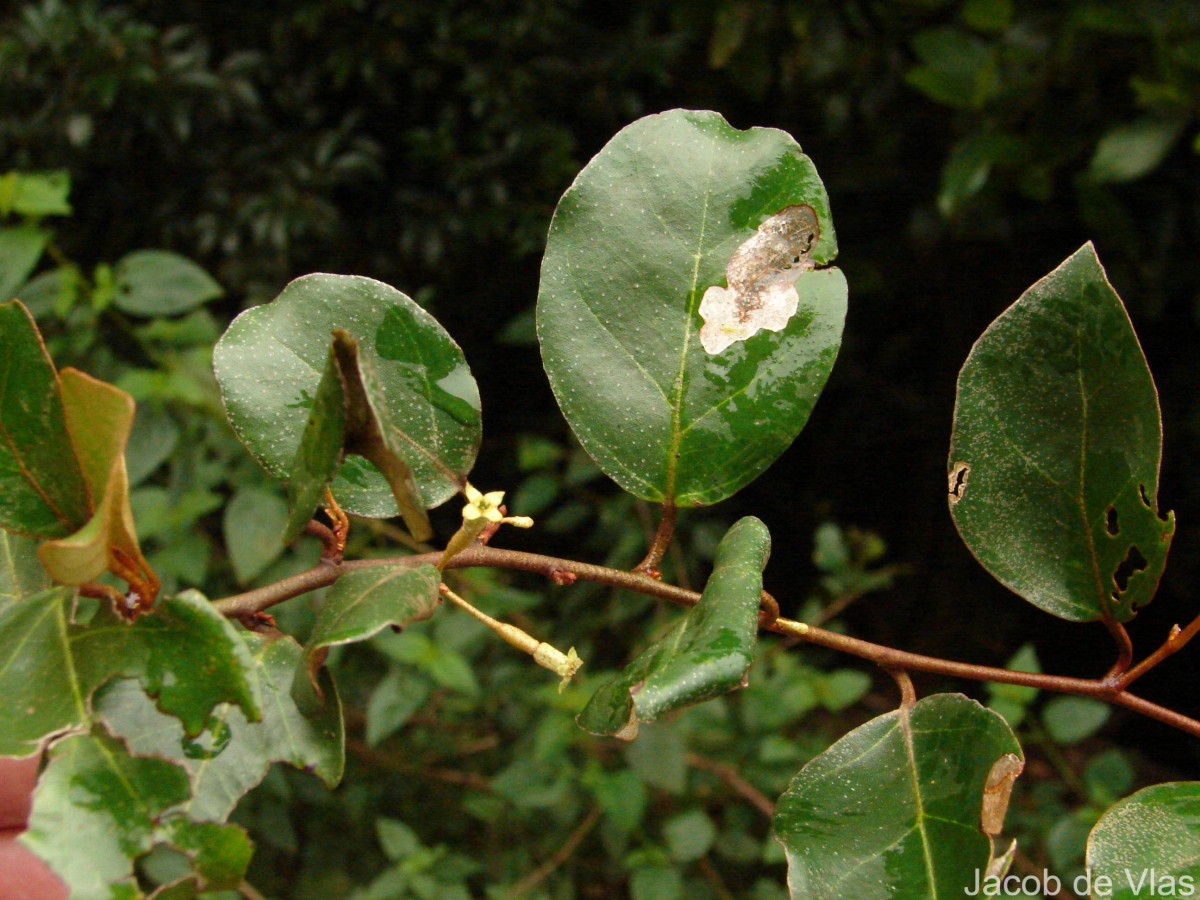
pixel 762 276
pixel 997 790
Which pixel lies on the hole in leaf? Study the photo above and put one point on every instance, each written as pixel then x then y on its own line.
pixel 1145 499
pixel 1110 521
pixel 957 481
pixel 1133 562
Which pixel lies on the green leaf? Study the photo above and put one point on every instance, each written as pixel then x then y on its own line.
pixel 233 754
pixel 894 808
pixel 35 194
pixel 970 165
pixel 646 228
pixel 1011 700
pixel 96 809
pixel 987 15
pixel 1054 458
pixel 1134 149
pixel 219 854
pixel 186 655
pixel 20 250
pixel 705 655
pixel 957 69
pixel 689 835
pixel 21 572
pixel 253 524
pixel 365 601
pixel 393 702
pixel 42 492
pixel 1069 720
pixel 157 437
pixel 375 434
pixel 161 283
pixel 1150 838
pixel 320 451
pixel 270 362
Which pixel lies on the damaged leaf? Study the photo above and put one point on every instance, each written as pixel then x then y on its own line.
pixel 893 809
pixel 761 278
pixel 1057 423
pixel 232 754
pixel 997 790
pixel 99 419
pixel 654 220
pixel 185 654
pixel 707 654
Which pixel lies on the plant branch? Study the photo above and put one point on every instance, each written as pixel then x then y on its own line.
pixel 554 568
pixel 560 856
pixel 736 782
pixel 1124 648
pixel 1176 639
pixel 652 564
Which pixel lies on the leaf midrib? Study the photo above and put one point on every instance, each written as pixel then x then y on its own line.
pixel 681 377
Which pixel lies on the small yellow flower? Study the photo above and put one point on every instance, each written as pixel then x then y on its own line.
pixel 482 506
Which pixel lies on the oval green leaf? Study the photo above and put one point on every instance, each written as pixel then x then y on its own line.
pixel 1148 845
pixel 1054 458
pixel 896 807
pixel 161 283
pixel 646 228
pixel 270 361
pixel 705 655
pixel 365 601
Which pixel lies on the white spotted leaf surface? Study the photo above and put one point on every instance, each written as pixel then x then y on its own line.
pixel 1148 845
pixel 649 226
pixel 270 361
pixel 897 807
pixel 706 654
pixel 1053 468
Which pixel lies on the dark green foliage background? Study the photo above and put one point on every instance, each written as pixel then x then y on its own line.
pixel 426 144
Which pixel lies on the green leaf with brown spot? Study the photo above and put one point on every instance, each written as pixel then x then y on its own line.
pixel 270 364
pixel 649 225
pixel 898 807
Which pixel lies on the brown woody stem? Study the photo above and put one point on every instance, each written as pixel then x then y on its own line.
pixel 652 564
pixel 1109 690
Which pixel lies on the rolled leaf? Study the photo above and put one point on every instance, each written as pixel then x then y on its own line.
pixel 99 418
pixel 705 655
pixel 270 362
